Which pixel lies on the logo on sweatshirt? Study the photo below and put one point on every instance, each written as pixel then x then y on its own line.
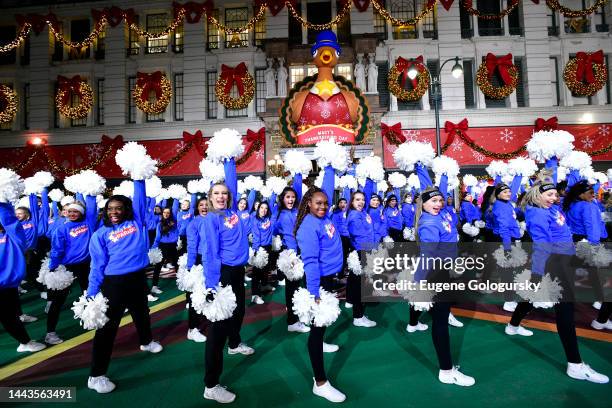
pixel 185 216
pixel 394 213
pixel 245 215
pixel 368 218
pixel 75 232
pixel 560 218
pixel 448 216
pixel 330 230
pixel 265 225
pixel 3 240
pixel 229 222
pixel 446 226
pixel 27 226
pixel 122 233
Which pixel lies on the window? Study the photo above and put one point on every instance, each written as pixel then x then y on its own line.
pixel 179 111
pixel 260 31
pixel 520 86
pixel 607 85
pixel 236 113
pixel 213 32
pixel 58 47
pixel 157 23
pixel 465 20
pixel 343 29
pixel 404 10
pixel 100 102
pixel 495 103
pixel 514 21
pixel 434 66
pixel 488 27
pixel 8 34
pixel 468 84
pixel 383 86
pixel 75 100
pixel 260 86
pixel 318 13
pixel 234 18
pixel 131 112
pixel 25 51
pixel 296 74
pixel 345 70
pixel 178 39
pixel 429 22
pixel 79 31
pixel 211 108
pixel 26 106
pixel 554 81
pixel 578 24
pixel 553 25
pixel 7 125
pixel 100 45
pixel 133 40
pixel 295 28
pixel 600 21
pixel 380 24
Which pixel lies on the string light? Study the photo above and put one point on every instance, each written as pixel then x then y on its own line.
pixel 153 36
pixel 60 169
pixel 580 88
pixel 160 103
pixel 243 100
pixel 11 101
pixel 21 36
pixel 82 109
pixel 429 6
pixel 474 12
pixel 179 155
pixel 567 12
pixel 495 92
pixel 247 27
pixel 404 94
pixel 87 42
pixel 328 26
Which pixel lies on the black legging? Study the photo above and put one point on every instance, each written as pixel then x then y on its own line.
pixel 353 294
pixel 346 249
pixel 58 297
pixel 439 331
pixel 9 315
pixel 315 338
pixel 33 263
pixel 290 288
pixel 169 255
pixel 396 234
pixel 605 312
pixel 194 319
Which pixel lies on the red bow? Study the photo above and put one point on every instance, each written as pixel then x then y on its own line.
pixel 548 124
pixel 193 11
pixel 69 86
pixel 38 21
pixel 258 136
pixel 396 130
pixel 452 127
pixel 113 15
pixel 111 141
pixel 501 64
pixel 148 83
pixel 536 1
pixel 275 6
pixel 447 4
pixel 403 66
pixel 585 65
pixel 196 140
pixel 361 5
pixel 233 75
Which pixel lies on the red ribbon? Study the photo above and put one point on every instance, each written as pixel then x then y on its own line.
pixel 148 83
pixel 584 69
pixel 453 128
pixel 233 75
pixel 196 139
pixel 112 141
pixel 275 6
pixel 361 5
pixel 396 130
pixel 536 1
pixel 404 65
pixel 69 86
pixel 548 124
pixel 260 135
pixel 38 21
pixel 447 4
pixel 193 10
pixel 501 64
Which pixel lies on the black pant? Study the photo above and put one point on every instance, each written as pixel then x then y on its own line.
pixel 290 288
pixel 33 262
pixel 225 330
pixel 122 291
pixel 152 234
pixel 604 312
pixel 9 315
pixel 169 255
pixel 315 338
pixel 260 276
pixel 194 319
pixel 396 234
pixel 346 249
pixel 353 294
pixel 183 240
pixel 58 297
pixel 439 331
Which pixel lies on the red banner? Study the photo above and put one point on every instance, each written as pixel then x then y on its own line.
pixel 501 140
pixel 325 132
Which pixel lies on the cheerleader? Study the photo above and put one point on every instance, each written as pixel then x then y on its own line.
pixel 553 252
pixel 183 218
pixel 584 220
pixel 28 218
pixel 436 234
pixel 118 261
pixel 468 214
pixel 70 247
pixel 284 225
pixel 394 219
pixel 261 226
pixel 166 238
pixel 378 218
pixel 321 250
pixel 408 211
pixel 12 271
pixel 339 219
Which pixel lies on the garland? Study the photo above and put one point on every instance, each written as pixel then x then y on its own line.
pixel 567 12
pixel 586 74
pixel 156 82
pixel 243 80
pixel 467 5
pixel 328 26
pixel 24 31
pixel 506 69
pixel 393 133
pixel 73 86
pixel 420 84
pixel 460 130
pixel 257 140
pixel 9 102
pixel 428 8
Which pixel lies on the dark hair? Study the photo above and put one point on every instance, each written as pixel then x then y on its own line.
pixel 350 205
pixel 257 212
pixel 573 195
pixel 128 209
pixel 203 198
pixel 303 208
pixel 486 197
pixel 281 202
pixel 337 208
pixel 245 201
pixel 391 197
pixel 167 224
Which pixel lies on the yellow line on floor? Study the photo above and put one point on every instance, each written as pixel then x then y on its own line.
pixel 535 324
pixel 36 358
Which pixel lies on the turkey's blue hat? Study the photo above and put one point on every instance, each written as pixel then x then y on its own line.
pixel 326 38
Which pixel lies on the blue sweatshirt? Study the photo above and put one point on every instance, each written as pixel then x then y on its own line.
pixel 245 218
pixel 504 222
pixel 183 218
pixel 321 250
pixel 550 234
pixel 195 240
pixel 120 249
pixel 70 242
pixel 408 214
pixel 284 226
pixel 170 238
pixel 30 226
pixel 584 218
pixel 469 212
pixel 437 238
pixel 394 218
pixel 262 232
pixel 43 214
pixel 339 219
pixel 380 223
pixel 361 230
pixel 226 244
pixel 12 248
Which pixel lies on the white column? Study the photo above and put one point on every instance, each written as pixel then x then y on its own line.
pixel 194 73
pixel 505 22
pixel 115 77
pixel 449 46
pixel 305 17
pixel 591 18
pixel 334 13
pixel 277 26
pixel 41 89
pixel 474 18
pixel 536 68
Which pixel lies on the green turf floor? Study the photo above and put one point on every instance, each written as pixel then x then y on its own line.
pixel 384 366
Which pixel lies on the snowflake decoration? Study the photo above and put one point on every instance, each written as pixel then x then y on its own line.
pixel 391 148
pixel 603 130
pixel 456 146
pixel 506 135
pixel 339 103
pixel 325 114
pixel 412 135
pixel 259 154
pixel 479 157
pixel 587 142
pixel 179 146
pixel 94 151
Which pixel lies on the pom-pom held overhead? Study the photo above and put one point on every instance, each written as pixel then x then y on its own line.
pixel 56 195
pixel 291 265
pixel 177 191
pixel 382 185
pixel 296 162
pixel 321 314
pixel 133 159
pixel 67 200
pixel 11 186
pixel 497 168
pixel 576 160
pixel 197 186
pixel 266 192
pixel 153 186
pixel 276 184
pixel 546 144
pixel 87 182
pixel 91 312
pixel 347 181
pixel 410 153
pixel 522 166
pixel 126 188
pixel 328 152
pixel 224 145
pixel 413 181
pixel 370 167
pixel 38 182
pixel 445 165
pixel 397 180
pixel 212 171
pixel 469 180
pixel 253 183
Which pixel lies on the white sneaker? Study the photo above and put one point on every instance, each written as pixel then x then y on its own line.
pixel 43 295
pixel 597 305
pixel 581 371
pixel 418 327
pixel 520 330
pixel 169 266
pixel 348 305
pixel 53 338
pixel 247 278
pixel 328 392
pixel 452 320
pixel 100 384
pixel 241 349
pixel 220 394
pixel 152 298
pixel 281 283
pixel 600 326
pixel 27 318
pixel 153 347
pixel 47 307
pixel 330 348
pixel 257 300
pixel 196 335
pixel 32 346
pixel 164 269
pixel 363 321
pixel 454 376
pixel 21 290
pixel 510 306
pixel 298 327
pixel 156 291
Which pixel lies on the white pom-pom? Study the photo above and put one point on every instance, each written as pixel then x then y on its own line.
pixel 176 191
pixel 155 256
pixel 266 192
pixel 260 258
pixel 609 174
pixel 409 234
pixel 296 162
pixel 545 144
pixel 212 171
pixel 56 280
pixel 354 263
pixel 497 168
pixel 328 152
pixel 225 144
pixel 382 186
pixel 469 180
pixel 409 153
pixel 516 259
pixel 102 203
pixel 133 159
pixel 23 202
pixel 221 308
pixel 153 186
pixel 445 165
pixel 480 223
pixel 397 180
pixel 347 181
pixel 548 294
pixel 91 312
pixel 277 243
pixel 597 256
pixel 163 195
pixel 56 195
pixel 322 314
pixel 276 184
pixel 291 265
pixel 370 167
pixel 413 181
pixel 522 166
pixel 87 182
pixel 373 259
pixel 197 186
pixel 38 182
pixel 188 279
pixel 388 240
pixel 576 160
pixel 126 188
pixel 11 186
pixel 253 183
pixel 470 229
pixel 67 200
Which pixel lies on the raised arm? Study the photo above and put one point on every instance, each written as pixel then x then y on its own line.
pixel 328 183
pixel 139 203
pixel 231 180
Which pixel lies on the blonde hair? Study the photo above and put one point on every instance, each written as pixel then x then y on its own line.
pixel 211 207
pixel 419 211
pixel 533 196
